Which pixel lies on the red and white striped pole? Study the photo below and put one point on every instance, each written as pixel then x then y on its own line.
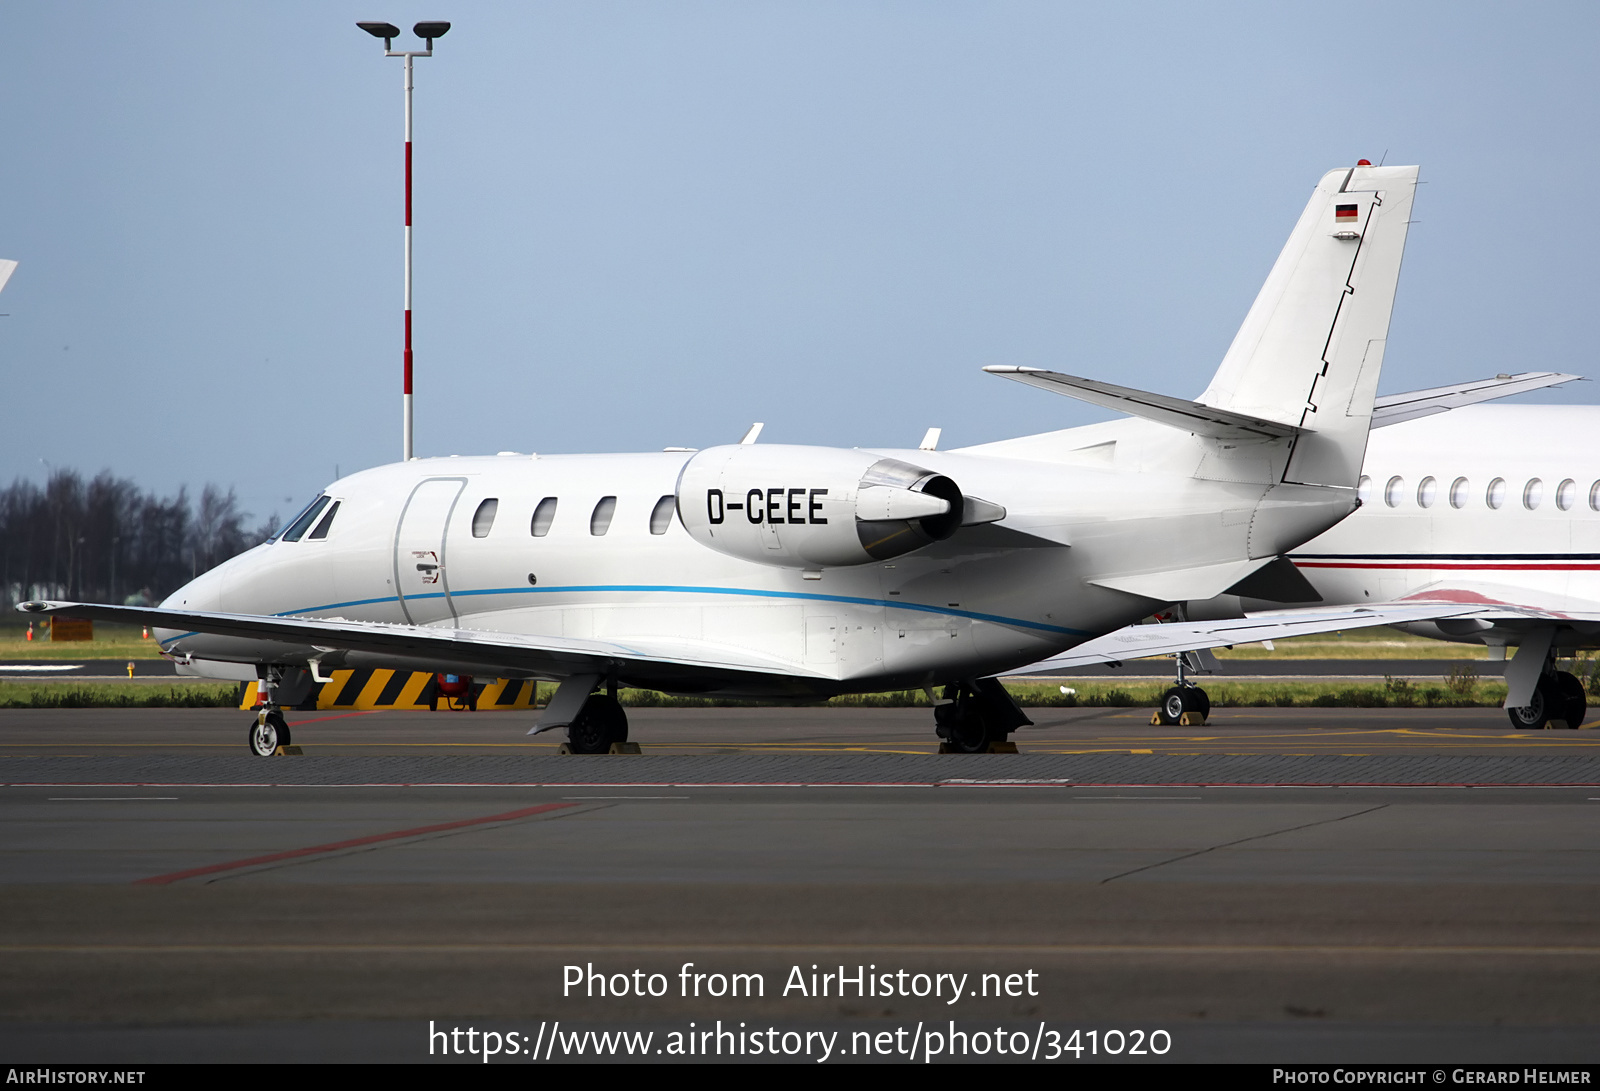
pixel 405 428
pixel 427 31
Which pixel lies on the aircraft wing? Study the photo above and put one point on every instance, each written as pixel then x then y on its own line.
pixel 1395 408
pixel 1140 641
pixel 341 643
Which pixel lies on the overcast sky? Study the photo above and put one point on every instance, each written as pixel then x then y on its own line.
pixel 643 224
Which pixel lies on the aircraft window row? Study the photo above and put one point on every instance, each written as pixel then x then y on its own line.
pixel 1494 496
pixel 544 516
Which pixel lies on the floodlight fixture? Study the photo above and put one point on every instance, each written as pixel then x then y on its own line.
pixel 430 31
pixel 387 31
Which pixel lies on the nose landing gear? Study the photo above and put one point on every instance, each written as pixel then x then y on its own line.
pixel 280 687
pixel 269 732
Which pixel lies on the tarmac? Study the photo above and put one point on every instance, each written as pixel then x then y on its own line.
pixel 1282 885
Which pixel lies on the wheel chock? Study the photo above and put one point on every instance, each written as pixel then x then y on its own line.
pixel 563 749
pixel 1191 719
pixel 288 752
pixel 624 748
pixel 1002 747
pixel 1155 718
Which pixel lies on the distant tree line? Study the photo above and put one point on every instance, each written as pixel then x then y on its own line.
pixel 107 540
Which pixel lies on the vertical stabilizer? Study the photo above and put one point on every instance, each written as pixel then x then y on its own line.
pixel 1310 350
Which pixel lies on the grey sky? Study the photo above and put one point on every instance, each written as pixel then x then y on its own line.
pixel 649 224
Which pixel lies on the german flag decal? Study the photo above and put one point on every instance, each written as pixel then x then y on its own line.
pixel 1345 213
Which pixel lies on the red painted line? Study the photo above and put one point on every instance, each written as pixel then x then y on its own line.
pixel 354 842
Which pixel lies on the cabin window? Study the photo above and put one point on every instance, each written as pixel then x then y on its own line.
pixel 1460 489
pixel 483 518
pixel 1393 491
pixel 1566 494
pixel 661 514
pixel 1532 493
pixel 543 516
pixel 1594 496
pixel 327 521
pixel 297 529
pixel 1495 497
pixel 600 521
pixel 1364 489
pixel 1427 492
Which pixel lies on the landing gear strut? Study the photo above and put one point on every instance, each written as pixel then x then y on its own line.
pixel 1185 703
pixel 975 715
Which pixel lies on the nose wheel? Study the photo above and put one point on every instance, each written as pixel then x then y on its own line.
pixel 269 731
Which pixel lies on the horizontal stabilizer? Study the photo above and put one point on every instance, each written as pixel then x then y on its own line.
pixel 1175 412
pixel 1395 408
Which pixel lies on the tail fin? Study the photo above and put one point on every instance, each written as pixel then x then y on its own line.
pixel 1311 348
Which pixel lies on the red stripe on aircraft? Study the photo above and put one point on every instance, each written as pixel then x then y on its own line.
pixel 354 842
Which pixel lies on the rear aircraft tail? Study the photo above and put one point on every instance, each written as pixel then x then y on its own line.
pixel 1311 348
pixel 1302 372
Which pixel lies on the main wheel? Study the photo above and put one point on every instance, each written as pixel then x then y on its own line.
pixel 268 733
pixel 1180 699
pixel 961 725
pixel 601 723
pixel 1571 700
pixel 1538 710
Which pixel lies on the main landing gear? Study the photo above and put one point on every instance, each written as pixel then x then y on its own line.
pixel 601 723
pixel 1185 704
pixel 1558 700
pixel 976 716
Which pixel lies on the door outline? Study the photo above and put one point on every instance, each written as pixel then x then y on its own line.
pixel 444 530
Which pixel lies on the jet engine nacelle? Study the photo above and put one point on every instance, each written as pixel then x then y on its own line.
pixel 813 507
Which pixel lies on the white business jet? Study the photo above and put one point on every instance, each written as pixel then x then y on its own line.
pixel 1460 514
pixel 766 571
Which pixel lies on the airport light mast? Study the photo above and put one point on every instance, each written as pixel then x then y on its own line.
pixel 388 32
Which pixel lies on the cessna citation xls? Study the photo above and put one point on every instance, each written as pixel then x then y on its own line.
pixel 767 571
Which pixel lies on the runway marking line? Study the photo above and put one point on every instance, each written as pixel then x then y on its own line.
pixel 354 842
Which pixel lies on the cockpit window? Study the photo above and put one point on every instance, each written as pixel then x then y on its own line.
pixel 327 521
pixel 297 529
